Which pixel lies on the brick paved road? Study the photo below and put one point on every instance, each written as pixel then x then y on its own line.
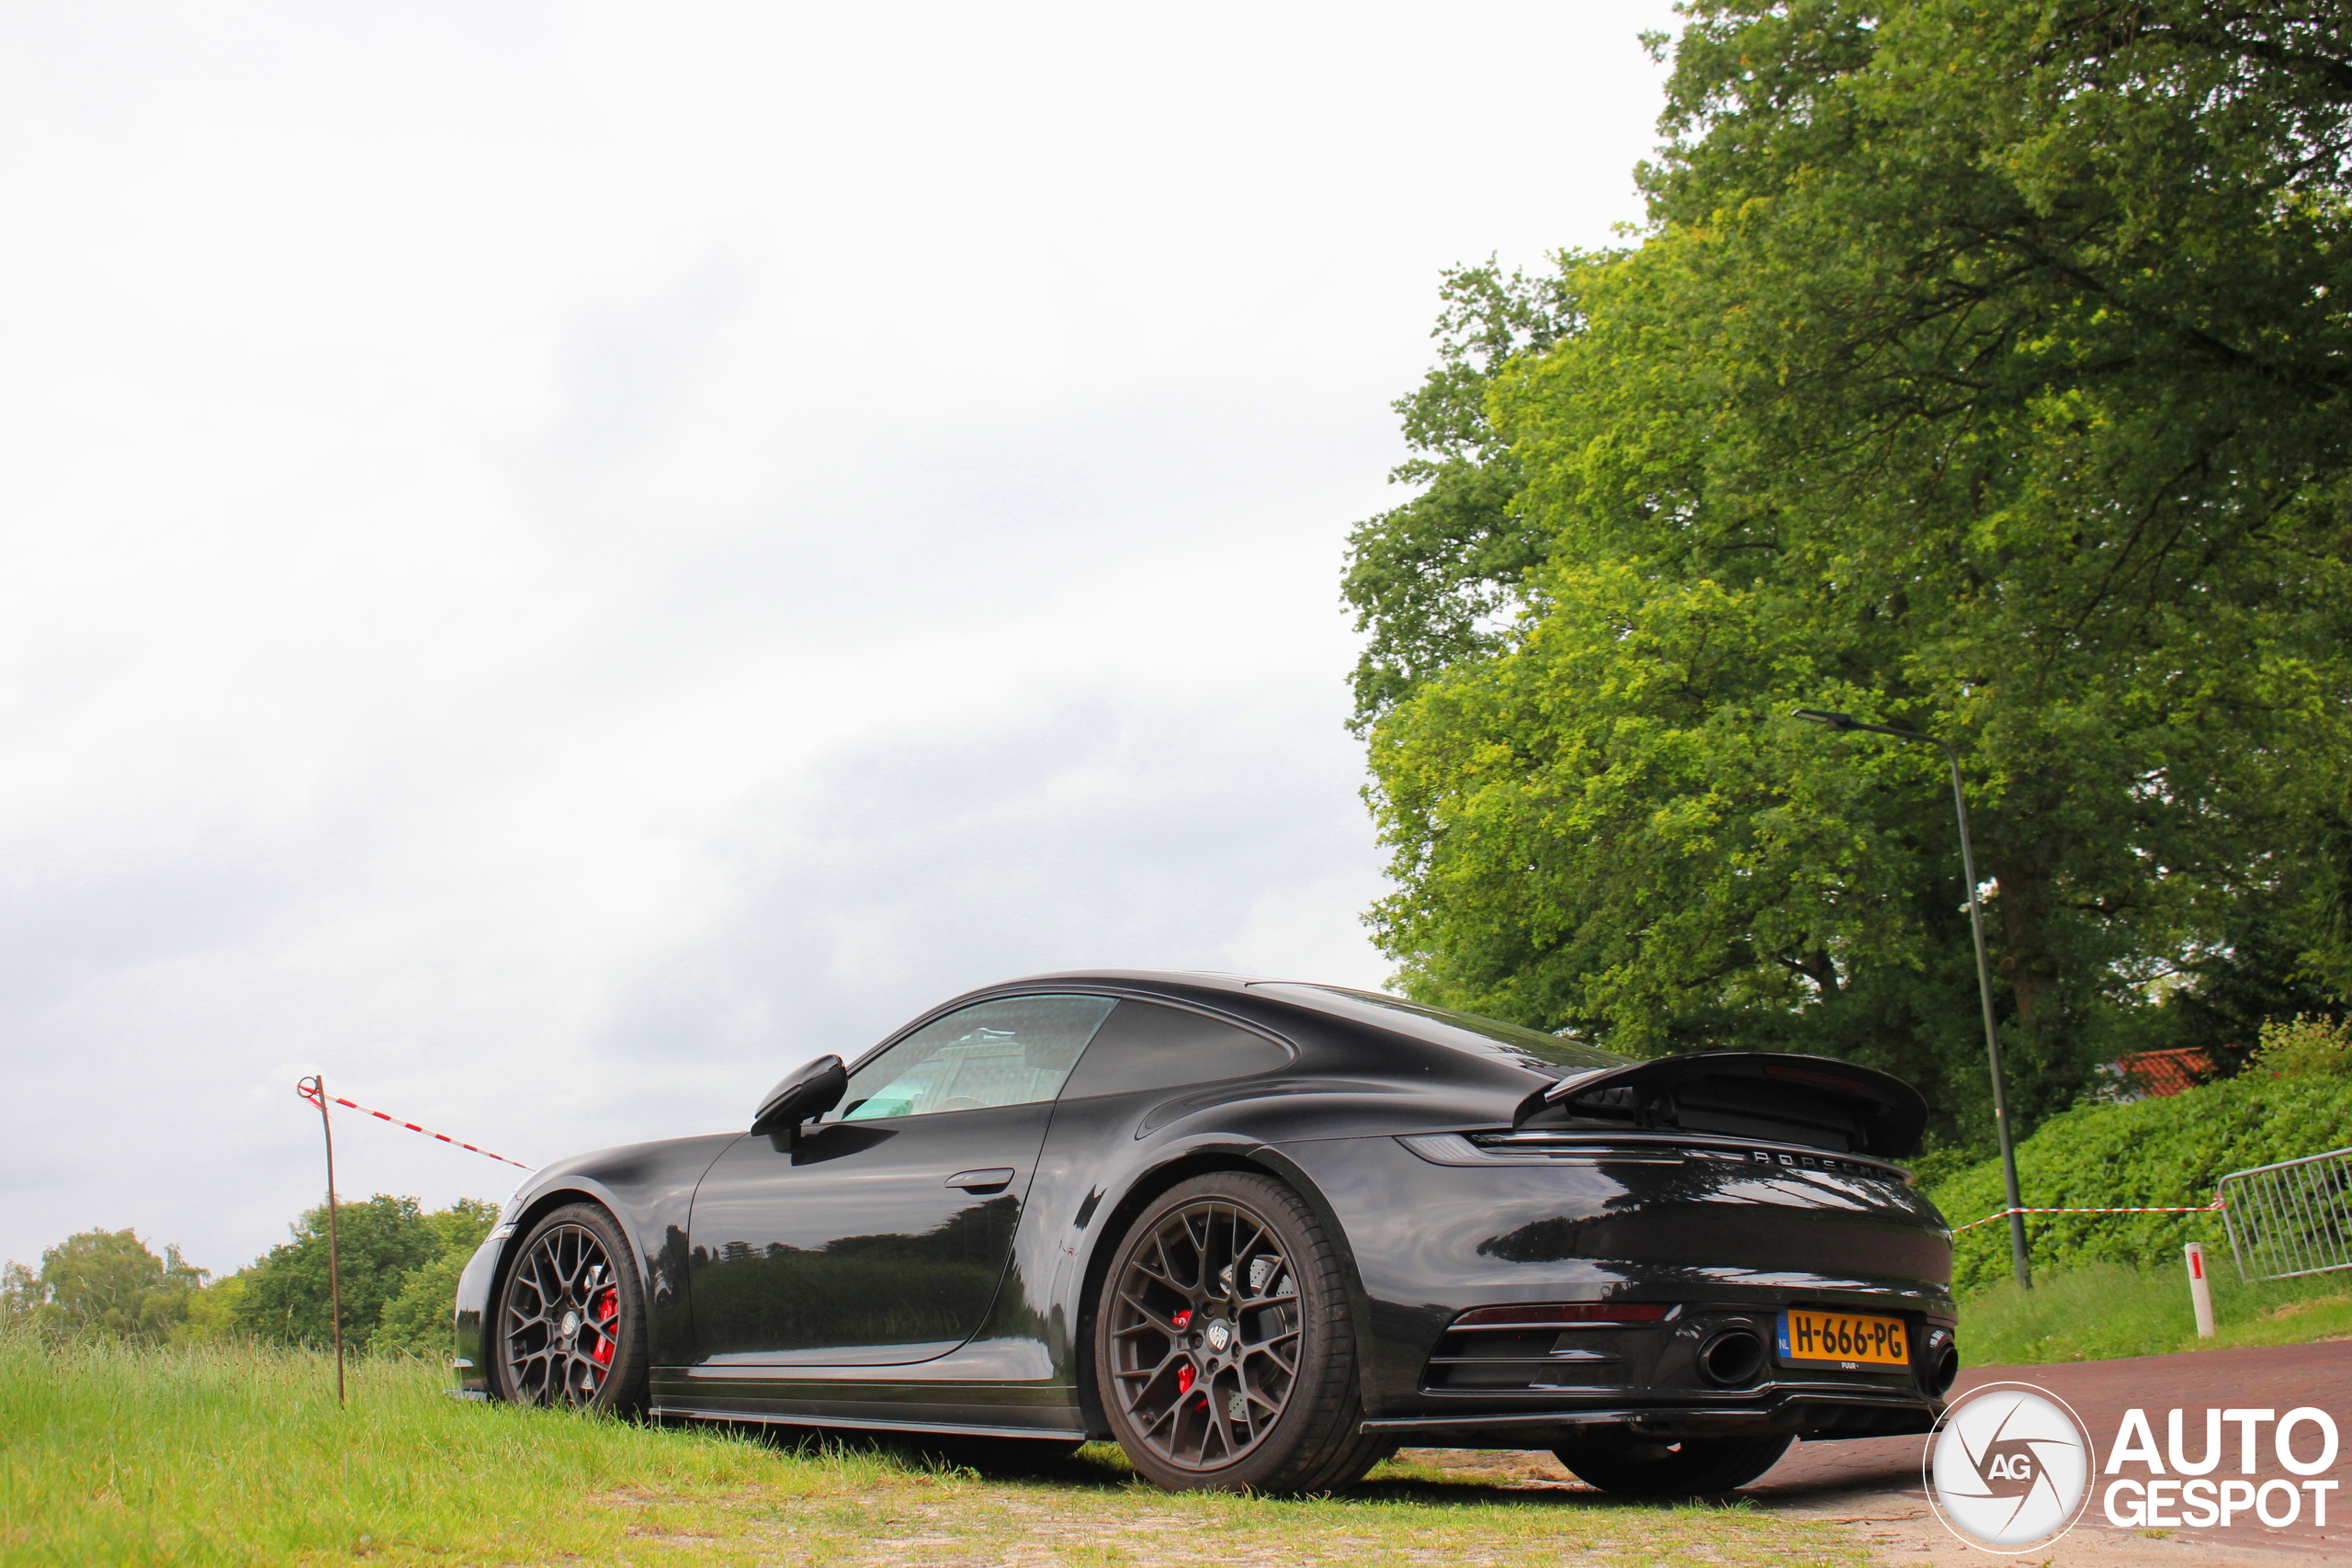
pixel 1816 1475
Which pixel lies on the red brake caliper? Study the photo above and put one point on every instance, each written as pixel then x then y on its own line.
pixel 1184 1374
pixel 608 1312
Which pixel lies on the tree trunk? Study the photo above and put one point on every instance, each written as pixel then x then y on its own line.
pixel 2027 959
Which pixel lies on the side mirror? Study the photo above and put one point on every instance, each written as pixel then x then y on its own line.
pixel 810 1091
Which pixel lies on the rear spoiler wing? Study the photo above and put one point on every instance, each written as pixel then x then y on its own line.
pixel 1874 1113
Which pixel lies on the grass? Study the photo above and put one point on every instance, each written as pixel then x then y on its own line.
pixel 2101 1310
pixel 239 1455
pixel 236 1454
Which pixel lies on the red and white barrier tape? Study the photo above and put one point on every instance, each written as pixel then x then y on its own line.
pixel 311 1095
pixel 2213 1208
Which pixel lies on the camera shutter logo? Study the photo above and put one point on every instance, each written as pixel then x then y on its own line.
pixel 2008 1469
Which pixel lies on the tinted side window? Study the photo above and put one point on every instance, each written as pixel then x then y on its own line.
pixel 1142 1046
pixel 1011 1051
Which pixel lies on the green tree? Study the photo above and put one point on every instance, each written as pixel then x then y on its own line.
pixel 211 1313
pixel 286 1298
pixel 101 1284
pixel 1427 579
pixel 1983 369
pixel 420 1319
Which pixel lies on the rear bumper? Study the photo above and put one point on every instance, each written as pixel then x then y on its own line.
pixel 1724 1245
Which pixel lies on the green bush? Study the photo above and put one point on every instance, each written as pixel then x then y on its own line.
pixel 211 1313
pixel 2304 1046
pixel 2171 1151
pixel 285 1300
pixel 419 1318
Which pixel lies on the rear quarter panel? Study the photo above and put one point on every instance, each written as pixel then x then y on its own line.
pixel 1431 1241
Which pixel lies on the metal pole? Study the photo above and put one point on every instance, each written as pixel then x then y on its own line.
pixel 1842 721
pixel 314 1090
pixel 1992 1032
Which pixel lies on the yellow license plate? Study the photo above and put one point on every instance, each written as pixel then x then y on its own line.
pixel 1840 1337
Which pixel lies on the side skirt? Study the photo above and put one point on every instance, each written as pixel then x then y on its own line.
pixel 868 1424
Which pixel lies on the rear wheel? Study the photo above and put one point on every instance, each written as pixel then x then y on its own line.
pixel 1223 1345
pixel 1695 1467
pixel 570 1324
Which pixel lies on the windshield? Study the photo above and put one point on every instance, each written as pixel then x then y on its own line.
pixel 1530 1048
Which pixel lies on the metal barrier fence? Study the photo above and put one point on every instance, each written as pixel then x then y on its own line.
pixel 2292 1218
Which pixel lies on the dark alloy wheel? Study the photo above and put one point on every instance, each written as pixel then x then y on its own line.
pixel 571 1326
pixel 1695 1467
pixel 1223 1347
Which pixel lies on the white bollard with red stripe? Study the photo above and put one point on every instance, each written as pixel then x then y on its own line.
pixel 2200 1289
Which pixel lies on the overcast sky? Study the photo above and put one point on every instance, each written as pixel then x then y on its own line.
pixel 562 558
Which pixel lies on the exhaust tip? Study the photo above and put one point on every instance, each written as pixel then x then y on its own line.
pixel 1944 1370
pixel 1735 1356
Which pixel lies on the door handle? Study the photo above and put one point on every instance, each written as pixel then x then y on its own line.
pixel 982 1181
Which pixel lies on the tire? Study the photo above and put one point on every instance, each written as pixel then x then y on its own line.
pixel 1695 1467
pixel 1226 1289
pixel 569 1325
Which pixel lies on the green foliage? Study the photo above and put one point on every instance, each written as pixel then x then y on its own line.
pixel 286 1298
pixel 2167 1152
pixel 2104 1310
pixel 420 1319
pixel 2253 971
pixel 1424 576
pixel 400 1276
pixel 101 1284
pixel 2304 1047
pixel 211 1313
pixel 1980 371
pixel 464 1225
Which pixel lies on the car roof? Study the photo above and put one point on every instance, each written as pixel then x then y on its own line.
pixel 1510 1044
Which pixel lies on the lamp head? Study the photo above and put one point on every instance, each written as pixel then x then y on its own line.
pixel 1823 716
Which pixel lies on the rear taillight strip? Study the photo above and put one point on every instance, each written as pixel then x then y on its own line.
pixel 1564 1314
pixel 1633 1148
pixel 1452 1148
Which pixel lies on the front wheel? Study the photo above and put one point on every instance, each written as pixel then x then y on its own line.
pixel 569 1323
pixel 1695 1467
pixel 1223 1345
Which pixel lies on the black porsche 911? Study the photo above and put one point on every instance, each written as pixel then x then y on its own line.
pixel 1260 1232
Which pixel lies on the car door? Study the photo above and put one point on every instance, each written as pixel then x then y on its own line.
pixel 879 1237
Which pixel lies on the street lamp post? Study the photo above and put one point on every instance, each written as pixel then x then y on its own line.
pixel 1845 721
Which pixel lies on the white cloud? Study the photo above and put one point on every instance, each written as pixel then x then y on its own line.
pixel 559 556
